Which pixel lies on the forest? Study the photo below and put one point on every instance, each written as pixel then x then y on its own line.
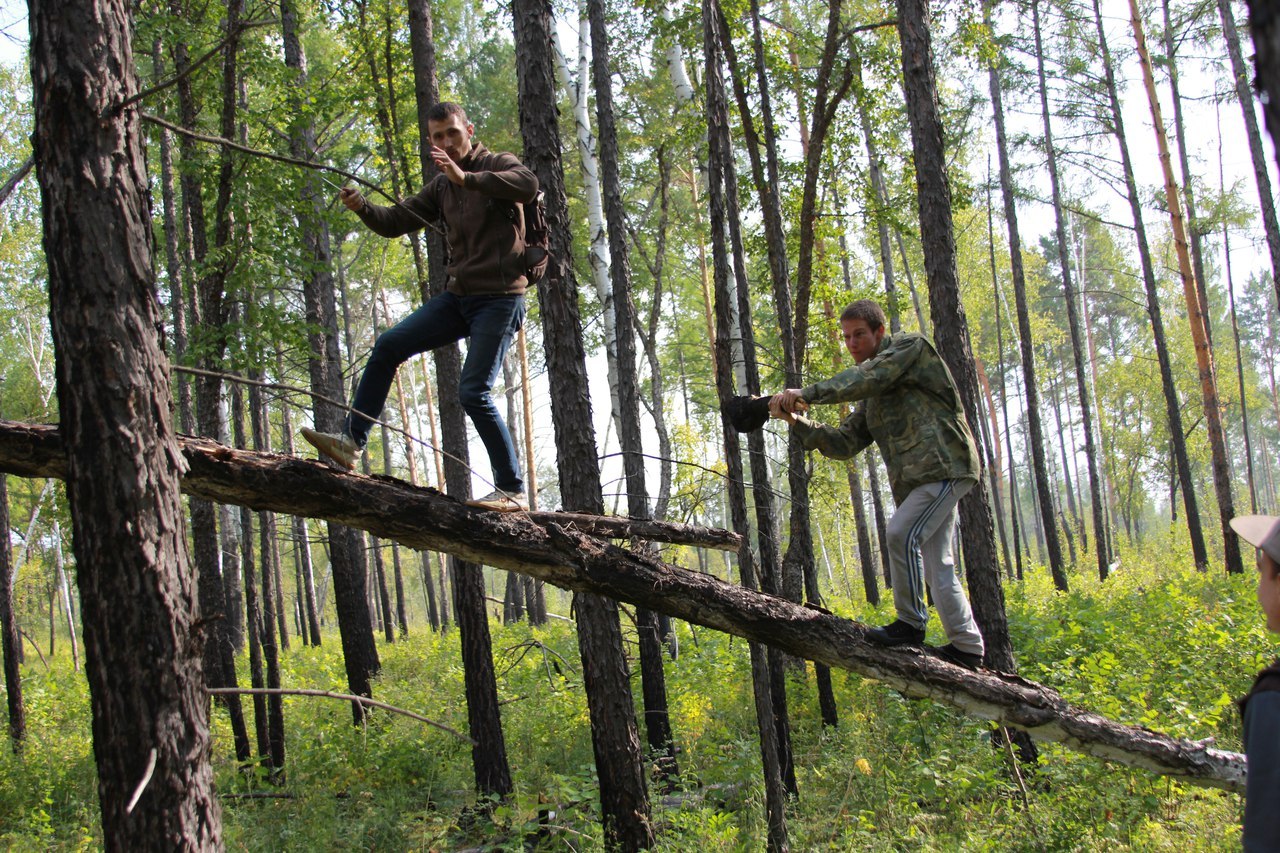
pixel 213 639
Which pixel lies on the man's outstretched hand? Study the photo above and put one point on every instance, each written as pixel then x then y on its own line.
pixel 350 196
pixel 786 404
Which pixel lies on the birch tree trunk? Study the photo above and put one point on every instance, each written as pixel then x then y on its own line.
pixel 598 250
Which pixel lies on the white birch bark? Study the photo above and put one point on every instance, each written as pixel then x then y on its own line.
pixel 598 252
pixel 675 65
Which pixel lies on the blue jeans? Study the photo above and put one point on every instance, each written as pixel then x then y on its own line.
pixel 490 322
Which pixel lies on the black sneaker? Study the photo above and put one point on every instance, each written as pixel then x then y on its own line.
pixel 959 657
pixel 896 633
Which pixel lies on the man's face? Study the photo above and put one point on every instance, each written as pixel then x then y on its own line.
pixel 452 135
pixel 861 342
pixel 1269 591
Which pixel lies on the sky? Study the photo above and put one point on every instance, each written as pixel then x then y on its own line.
pixel 1203 122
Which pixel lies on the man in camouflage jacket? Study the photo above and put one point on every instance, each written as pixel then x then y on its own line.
pixel 908 405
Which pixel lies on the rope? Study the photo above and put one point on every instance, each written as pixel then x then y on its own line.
pixel 315 395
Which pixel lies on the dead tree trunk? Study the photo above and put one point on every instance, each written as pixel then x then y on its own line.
pixel 1173 408
pixel 1197 313
pixel 424 519
pixel 150 711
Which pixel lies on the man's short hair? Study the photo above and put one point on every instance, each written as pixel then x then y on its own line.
pixel 867 310
pixel 444 109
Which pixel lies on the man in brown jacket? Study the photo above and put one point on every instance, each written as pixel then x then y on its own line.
pixel 478 194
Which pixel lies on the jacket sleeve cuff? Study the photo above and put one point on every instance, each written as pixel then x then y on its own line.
pixel 810 394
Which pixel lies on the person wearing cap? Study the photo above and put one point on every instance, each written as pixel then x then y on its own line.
pixel 909 407
pixel 1260 708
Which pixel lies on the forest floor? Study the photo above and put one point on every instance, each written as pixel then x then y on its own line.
pixel 1157 645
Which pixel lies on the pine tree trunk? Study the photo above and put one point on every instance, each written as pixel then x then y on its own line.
pixel 653 680
pixel 615 739
pixel 272 636
pixel 934 198
pixel 1073 316
pixel 1173 407
pixel 489 755
pixel 1046 528
pixel 1265 43
pixel 1014 521
pixel 324 365
pixel 762 492
pixel 220 645
pixel 719 163
pixel 176 271
pixel 252 600
pixel 150 711
pixel 10 640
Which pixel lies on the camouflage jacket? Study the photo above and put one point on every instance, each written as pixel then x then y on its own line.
pixel 908 405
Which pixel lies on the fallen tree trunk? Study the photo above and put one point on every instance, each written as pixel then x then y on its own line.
pixel 426 520
pixel 621 527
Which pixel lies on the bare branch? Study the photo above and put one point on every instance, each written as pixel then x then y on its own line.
pixel 329 694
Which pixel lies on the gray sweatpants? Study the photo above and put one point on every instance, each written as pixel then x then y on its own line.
pixel 920 536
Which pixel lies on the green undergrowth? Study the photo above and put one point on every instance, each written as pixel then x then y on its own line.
pixel 1156 645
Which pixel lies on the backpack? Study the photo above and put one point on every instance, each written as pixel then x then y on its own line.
pixel 537 239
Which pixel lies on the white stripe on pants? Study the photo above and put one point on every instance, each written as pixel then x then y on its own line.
pixel 920 536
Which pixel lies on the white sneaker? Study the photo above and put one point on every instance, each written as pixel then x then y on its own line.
pixel 502 501
pixel 337 446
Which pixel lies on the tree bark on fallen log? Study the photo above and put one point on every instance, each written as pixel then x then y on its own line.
pixel 426 520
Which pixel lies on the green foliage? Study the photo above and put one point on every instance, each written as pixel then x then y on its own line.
pixel 1158 645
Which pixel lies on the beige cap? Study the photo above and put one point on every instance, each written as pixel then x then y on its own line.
pixel 1260 531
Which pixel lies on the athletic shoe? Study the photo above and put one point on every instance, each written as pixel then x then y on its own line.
pixel 502 501
pixel 337 446
pixel 959 657
pixel 897 633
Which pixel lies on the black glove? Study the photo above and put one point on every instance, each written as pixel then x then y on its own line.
pixel 747 414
